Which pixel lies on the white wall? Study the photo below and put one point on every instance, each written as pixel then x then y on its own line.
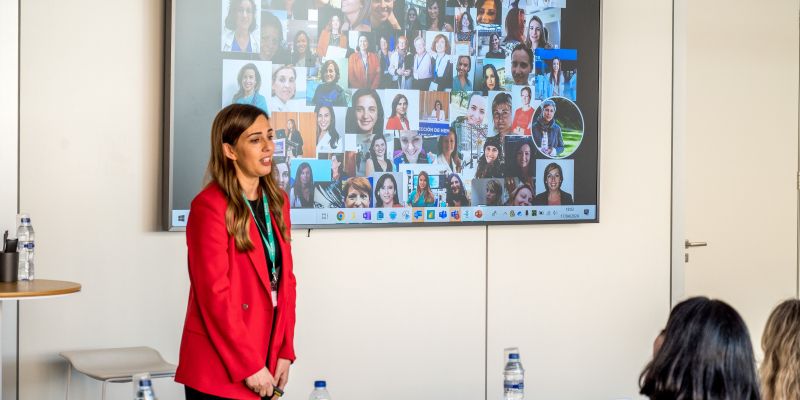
pixel 585 310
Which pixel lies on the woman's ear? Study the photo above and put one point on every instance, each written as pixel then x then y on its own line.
pixel 227 149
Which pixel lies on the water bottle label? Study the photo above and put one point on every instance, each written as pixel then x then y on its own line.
pixel 29 245
pixel 513 386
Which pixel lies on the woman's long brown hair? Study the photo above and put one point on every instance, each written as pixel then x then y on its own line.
pixel 780 371
pixel 228 125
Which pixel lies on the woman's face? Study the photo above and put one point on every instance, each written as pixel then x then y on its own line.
pixel 289 5
pixel 534 32
pixel 491 79
pixel 526 97
pixel 548 112
pixel 437 106
pixel 384 45
pixel 387 191
pixel 440 45
pixel 301 44
pixel 411 143
pixel 476 110
pixel 284 85
pixel 270 40
pixel 356 198
pixel 335 23
pixel 491 153
pixel 491 195
pixel 495 42
pixel 253 151
pixel 553 180
pixel 422 182
pixel 305 176
pixel 324 119
pixel 463 67
pixel 455 185
pixel 402 107
pixel 248 80
pixel 433 11
pixel 330 73
pixel 520 67
pixel 487 13
pixel 363 43
pixel 449 143
pixel 412 15
pixel 464 23
pixel 380 148
pixel 524 156
pixel 366 113
pixel 381 9
pixel 244 15
pixel 283 176
pixel 523 197
pixel 556 65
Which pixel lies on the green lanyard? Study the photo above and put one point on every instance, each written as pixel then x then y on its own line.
pixel 269 241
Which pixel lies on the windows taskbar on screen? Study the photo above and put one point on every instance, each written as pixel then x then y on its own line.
pixel 359 217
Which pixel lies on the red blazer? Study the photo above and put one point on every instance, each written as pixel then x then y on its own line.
pixel 357 77
pixel 229 319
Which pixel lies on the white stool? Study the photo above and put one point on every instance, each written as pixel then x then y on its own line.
pixel 117 365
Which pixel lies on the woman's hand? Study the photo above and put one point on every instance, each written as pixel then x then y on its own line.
pixel 262 381
pixel 282 372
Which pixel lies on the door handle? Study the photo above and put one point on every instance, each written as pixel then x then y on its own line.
pixel 688 244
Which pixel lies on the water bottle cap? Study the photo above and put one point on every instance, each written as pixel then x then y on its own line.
pixel 319 384
pixel 513 356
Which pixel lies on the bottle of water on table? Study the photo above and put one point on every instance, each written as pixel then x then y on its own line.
pixel 145 390
pixel 25 247
pixel 320 391
pixel 513 378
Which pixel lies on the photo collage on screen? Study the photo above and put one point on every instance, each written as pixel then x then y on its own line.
pixel 410 105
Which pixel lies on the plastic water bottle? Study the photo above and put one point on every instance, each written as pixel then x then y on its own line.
pixel 145 391
pixel 320 391
pixel 513 378
pixel 25 248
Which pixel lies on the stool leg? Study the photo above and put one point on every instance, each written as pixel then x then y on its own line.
pixel 104 390
pixel 69 378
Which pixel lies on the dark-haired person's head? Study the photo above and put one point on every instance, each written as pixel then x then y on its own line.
pixel 491 149
pixel 249 80
pixel 301 42
pixel 489 11
pixel 521 64
pixel 304 176
pixel 465 23
pixel 491 80
pixel 400 106
pixel 357 192
pixel 548 111
pixel 241 15
pixel 706 354
pixel 515 24
pixel 329 73
pixel 553 177
pixel 378 147
pixel 366 114
pixel 386 192
pixel 780 371
pixel 501 113
pixel 326 122
pixel 271 36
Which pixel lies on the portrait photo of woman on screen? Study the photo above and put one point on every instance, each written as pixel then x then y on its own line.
pixel 356 15
pixel 329 93
pixel 490 164
pixel 386 192
pixel 357 193
pixel 272 42
pixel 332 35
pixel 399 118
pixel 521 196
pixel 412 150
pixel 553 177
pixel 378 161
pixel 240 33
pixel 284 88
pixel 448 152
pixel 302 192
pixel 328 138
pixel 365 117
pixel 422 196
pixel 249 80
pixel 456 192
pixel 363 66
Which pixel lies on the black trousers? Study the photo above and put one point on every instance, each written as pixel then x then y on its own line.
pixel 192 394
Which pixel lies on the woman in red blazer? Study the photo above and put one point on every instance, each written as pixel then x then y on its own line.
pixel 239 331
pixel 363 69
